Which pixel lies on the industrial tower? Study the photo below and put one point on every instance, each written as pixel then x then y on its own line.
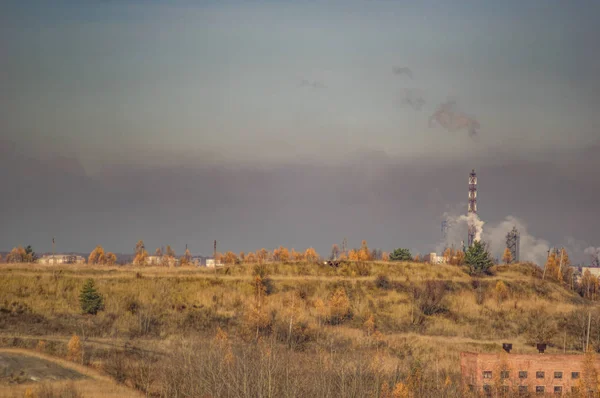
pixel 472 206
pixel 513 241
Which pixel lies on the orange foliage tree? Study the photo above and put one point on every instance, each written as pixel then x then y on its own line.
pixel 297 256
pixel 141 255
pixel 111 258
pixel 97 256
pixel 353 255
pixel 364 254
pixel 552 270
pixel 250 258
pixel 261 255
pixel 18 255
pixel 230 258
pixel 311 255
pixel 507 256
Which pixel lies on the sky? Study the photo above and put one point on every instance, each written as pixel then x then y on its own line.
pixel 296 123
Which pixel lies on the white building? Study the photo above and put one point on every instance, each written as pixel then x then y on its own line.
pixel 211 263
pixel 433 258
pixel 61 259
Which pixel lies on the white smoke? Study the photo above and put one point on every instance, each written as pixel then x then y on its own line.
pixel 457 228
pixel 531 248
pixel 594 253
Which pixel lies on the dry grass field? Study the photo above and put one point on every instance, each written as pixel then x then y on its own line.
pixel 363 329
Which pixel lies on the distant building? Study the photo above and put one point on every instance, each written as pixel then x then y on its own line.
pixel 61 259
pixel 433 258
pixel 162 260
pixel 595 271
pixel 211 263
pixel 525 374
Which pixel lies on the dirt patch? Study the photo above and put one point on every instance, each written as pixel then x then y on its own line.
pixel 18 369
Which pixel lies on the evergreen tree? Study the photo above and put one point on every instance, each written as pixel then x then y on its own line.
pixel 401 255
pixel 90 300
pixel 478 258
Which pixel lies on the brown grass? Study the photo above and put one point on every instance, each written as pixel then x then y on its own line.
pixel 95 385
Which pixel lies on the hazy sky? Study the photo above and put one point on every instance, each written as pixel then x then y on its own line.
pixel 235 94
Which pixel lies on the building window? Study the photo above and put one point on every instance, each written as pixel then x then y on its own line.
pixel 558 390
pixel 487 374
pixel 471 387
pixel 522 390
pixel 522 374
pixel 575 390
pixel 558 375
pixel 539 375
pixel 574 375
pixel 487 389
pixel 505 389
pixel 504 374
pixel 540 390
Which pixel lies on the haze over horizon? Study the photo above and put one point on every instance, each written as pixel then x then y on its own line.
pixel 267 123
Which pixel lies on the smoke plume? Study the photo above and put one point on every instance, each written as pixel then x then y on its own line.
pixel 403 70
pixel 532 249
pixel 452 119
pixel 413 98
pixel 457 228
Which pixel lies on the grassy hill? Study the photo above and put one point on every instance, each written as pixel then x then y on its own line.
pixel 292 329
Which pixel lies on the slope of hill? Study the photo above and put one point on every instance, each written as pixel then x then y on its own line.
pixel 376 323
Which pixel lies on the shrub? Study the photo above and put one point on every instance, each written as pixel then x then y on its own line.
pixel 383 282
pixel 401 255
pixel 90 300
pixel 339 307
pixel 430 298
pixel 74 348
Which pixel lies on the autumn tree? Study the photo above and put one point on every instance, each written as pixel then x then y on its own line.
pixel 296 256
pixel 501 292
pixel 552 270
pixel 261 255
pixel 284 254
pixel 369 326
pixel 97 256
pixel 230 258
pixel 17 255
pixel 353 255
pixel 281 254
pixel 385 256
pixel 311 255
pixel 507 256
pixel 186 259
pixel 364 254
pixel 141 255
pixel 339 306
pixel 111 258
pixel 74 349
pixel 158 252
pixel 564 266
pixel 250 258
pixel 169 251
pixel 242 257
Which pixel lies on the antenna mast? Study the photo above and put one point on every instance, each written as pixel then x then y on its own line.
pixel 472 206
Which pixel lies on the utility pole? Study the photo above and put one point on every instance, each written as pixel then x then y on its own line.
pixel 53 253
pixel 587 344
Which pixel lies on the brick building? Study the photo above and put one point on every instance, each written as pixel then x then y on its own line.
pixel 524 374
